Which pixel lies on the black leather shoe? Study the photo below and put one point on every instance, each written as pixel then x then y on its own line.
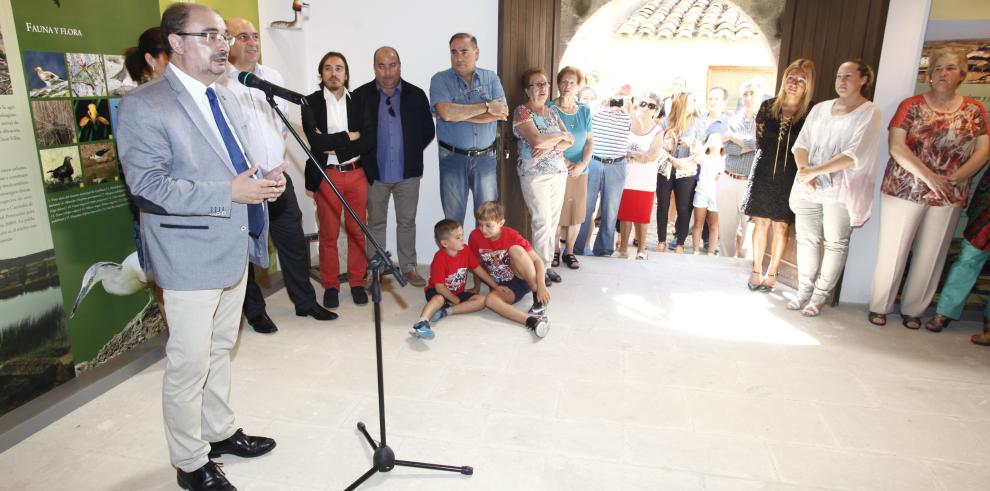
pixel 242 445
pixel 359 295
pixel 330 299
pixel 207 478
pixel 318 313
pixel 263 324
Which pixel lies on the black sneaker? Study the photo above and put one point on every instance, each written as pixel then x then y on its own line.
pixel 538 308
pixel 359 295
pixel 540 325
pixel 330 298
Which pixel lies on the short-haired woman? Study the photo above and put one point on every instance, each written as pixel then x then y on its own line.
pixel 577 119
pixel 645 147
pixel 542 139
pixel 938 142
pixel 683 136
pixel 778 123
pixel 836 155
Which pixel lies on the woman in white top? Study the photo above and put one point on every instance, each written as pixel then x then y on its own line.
pixel 645 146
pixel 836 154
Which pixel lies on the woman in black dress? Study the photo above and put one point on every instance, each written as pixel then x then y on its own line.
pixel 778 123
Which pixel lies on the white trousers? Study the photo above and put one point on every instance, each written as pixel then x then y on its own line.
pixel 202 326
pixel 544 196
pixel 925 233
pixel 731 221
pixel 818 271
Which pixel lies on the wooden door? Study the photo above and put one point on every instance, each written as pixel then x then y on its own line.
pixel 827 32
pixel 528 37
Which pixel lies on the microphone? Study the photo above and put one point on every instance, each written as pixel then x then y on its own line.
pixel 251 80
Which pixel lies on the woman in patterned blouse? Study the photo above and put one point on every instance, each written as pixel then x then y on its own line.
pixel 938 141
pixel 542 170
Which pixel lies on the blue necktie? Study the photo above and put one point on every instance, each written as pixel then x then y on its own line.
pixel 256 213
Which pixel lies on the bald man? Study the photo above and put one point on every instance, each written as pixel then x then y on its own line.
pixel 400 126
pixel 284 215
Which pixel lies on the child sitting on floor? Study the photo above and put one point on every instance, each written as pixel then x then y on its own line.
pixel 445 293
pixel 513 265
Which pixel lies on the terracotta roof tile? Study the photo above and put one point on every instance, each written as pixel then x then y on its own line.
pixel 686 19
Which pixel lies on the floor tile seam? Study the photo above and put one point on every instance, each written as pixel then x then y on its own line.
pixel 872 452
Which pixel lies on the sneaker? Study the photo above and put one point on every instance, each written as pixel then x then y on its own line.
pixel 540 325
pixel 422 330
pixel 537 308
pixel 440 314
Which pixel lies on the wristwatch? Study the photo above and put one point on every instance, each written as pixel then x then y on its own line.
pixel 486 107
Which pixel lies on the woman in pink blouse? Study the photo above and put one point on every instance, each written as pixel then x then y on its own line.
pixel 938 142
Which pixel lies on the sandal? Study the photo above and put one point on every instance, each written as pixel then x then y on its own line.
pixel 797 303
pixel 662 247
pixel 764 287
pixel 556 259
pixel 814 306
pixel 938 323
pixel 571 261
pixel 982 339
pixel 754 286
pixel 553 276
pixel 911 322
pixel 641 255
pixel 877 319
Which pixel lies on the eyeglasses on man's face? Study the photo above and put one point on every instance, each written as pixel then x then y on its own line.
pixel 211 36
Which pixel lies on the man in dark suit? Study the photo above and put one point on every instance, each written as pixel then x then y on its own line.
pixel 190 162
pixel 332 123
pixel 399 124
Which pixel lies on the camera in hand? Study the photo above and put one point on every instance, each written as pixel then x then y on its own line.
pixel 615 103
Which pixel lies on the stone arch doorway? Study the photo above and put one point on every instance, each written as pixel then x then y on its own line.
pixel 647 43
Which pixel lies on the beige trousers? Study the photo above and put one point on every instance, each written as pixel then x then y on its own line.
pixel 921 230
pixel 544 196
pixel 731 221
pixel 203 326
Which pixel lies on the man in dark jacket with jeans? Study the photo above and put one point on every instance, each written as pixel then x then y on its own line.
pixel 399 125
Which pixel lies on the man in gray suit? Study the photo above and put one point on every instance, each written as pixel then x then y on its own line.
pixel 190 165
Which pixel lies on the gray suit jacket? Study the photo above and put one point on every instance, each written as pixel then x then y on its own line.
pixel 179 174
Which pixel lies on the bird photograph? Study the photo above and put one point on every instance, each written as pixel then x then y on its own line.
pixel 6 87
pixel 86 75
pixel 99 163
pixel 119 279
pixel 118 80
pixel 53 122
pixel 297 6
pixel 47 75
pixel 62 168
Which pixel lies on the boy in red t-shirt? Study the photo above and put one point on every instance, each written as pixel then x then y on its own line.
pixel 445 293
pixel 513 265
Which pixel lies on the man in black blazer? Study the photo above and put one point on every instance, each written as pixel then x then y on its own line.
pixel 399 126
pixel 332 123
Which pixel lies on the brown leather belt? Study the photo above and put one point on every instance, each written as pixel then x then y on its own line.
pixel 738 177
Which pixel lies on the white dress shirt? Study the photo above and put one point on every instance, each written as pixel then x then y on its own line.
pixel 337 120
pixel 197 90
pixel 260 115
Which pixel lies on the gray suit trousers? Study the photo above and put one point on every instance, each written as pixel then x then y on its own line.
pixel 406 194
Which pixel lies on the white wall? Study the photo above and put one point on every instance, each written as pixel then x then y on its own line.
pixel 897 72
pixel 418 30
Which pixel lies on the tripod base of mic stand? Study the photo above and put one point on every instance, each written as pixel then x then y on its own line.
pixel 384 461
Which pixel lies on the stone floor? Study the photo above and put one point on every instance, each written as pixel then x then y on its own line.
pixel 665 374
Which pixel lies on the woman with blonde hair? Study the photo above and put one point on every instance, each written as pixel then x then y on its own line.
pixel 938 141
pixel 577 119
pixel 682 139
pixel 836 155
pixel 778 123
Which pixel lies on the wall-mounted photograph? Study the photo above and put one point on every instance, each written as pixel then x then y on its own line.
pixel 6 88
pixel 118 80
pixel 62 168
pixel 99 163
pixel 93 118
pixel 46 74
pixel 86 75
pixel 53 123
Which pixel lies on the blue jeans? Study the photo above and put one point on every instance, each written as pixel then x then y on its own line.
pixel 608 181
pixel 460 174
pixel 962 276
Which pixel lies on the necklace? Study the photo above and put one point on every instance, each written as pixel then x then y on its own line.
pixel 785 127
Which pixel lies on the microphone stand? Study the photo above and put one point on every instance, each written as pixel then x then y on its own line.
pixel 384 458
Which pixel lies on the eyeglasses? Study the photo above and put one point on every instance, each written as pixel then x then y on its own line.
pixel 388 102
pixel 649 105
pixel 539 85
pixel 211 36
pixel 245 37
